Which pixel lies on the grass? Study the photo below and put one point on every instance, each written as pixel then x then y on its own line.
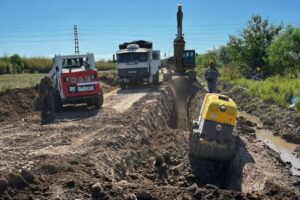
pixel 274 90
pixel 278 90
pixel 12 81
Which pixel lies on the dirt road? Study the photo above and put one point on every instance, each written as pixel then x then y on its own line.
pixel 135 147
pixel 122 100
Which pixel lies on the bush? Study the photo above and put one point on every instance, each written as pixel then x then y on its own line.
pixel 230 71
pixel 17 63
pixel 283 53
pixel 41 65
pixel 297 105
pixel 3 67
pixel 104 66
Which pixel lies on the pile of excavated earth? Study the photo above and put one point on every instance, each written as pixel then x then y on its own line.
pixel 134 147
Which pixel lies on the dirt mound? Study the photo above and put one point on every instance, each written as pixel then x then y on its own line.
pixel 109 78
pixel 18 103
pixel 108 82
pixel 282 122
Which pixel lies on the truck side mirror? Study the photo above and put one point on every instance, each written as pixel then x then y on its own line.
pixel 114 58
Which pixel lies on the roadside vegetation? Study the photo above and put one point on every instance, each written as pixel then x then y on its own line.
pixel 12 81
pixel 275 49
pixel 16 65
pixel 18 72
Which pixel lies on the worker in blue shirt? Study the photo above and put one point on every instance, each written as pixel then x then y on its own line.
pixel 211 75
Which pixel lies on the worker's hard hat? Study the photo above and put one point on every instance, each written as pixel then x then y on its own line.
pixel 211 61
pixel 258 69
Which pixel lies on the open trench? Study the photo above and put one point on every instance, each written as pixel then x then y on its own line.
pixel 142 153
pixel 162 163
pixel 166 167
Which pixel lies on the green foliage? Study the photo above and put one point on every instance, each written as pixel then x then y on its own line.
pixel 203 59
pixel 275 90
pixel 17 63
pixel 230 71
pixel 3 66
pixel 222 55
pixel 250 45
pixel 103 66
pixel 284 52
pixel 164 62
pixel 41 65
pixel 297 105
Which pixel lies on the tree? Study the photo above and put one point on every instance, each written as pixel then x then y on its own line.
pixel 17 63
pixel 203 59
pixel 284 52
pixel 250 45
pixel 222 55
pixel 3 66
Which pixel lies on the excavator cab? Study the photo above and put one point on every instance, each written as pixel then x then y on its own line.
pixel 189 59
pixel 211 136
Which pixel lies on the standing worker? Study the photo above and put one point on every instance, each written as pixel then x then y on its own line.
pixel 211 75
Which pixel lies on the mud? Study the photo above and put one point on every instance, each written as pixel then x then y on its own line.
pixel 288 151
pixel 140 153
pixel 280 121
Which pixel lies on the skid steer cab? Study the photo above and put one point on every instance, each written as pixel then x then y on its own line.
pixel 211 136
pixel 74 79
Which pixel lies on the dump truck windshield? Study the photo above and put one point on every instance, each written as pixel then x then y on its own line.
pixel 132 57
pixel 75 63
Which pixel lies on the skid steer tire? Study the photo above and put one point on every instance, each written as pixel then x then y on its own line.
pixel 54 102
pixel 98 102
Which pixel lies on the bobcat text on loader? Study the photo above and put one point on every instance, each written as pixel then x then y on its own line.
pixel 74 79
pixel 211 136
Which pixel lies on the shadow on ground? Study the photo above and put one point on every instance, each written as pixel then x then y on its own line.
pixel 69 113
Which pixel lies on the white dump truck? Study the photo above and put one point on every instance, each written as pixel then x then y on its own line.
pixel 137 63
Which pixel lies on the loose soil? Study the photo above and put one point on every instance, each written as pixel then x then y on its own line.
pixel 140 152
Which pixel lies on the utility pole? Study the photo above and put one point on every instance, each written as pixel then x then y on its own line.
pixel 76 40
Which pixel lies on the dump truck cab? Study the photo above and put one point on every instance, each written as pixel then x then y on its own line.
pixel 74 79
pixel 137 63
pixel 211 136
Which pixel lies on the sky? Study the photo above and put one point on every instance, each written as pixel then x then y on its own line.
pixel 43 28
